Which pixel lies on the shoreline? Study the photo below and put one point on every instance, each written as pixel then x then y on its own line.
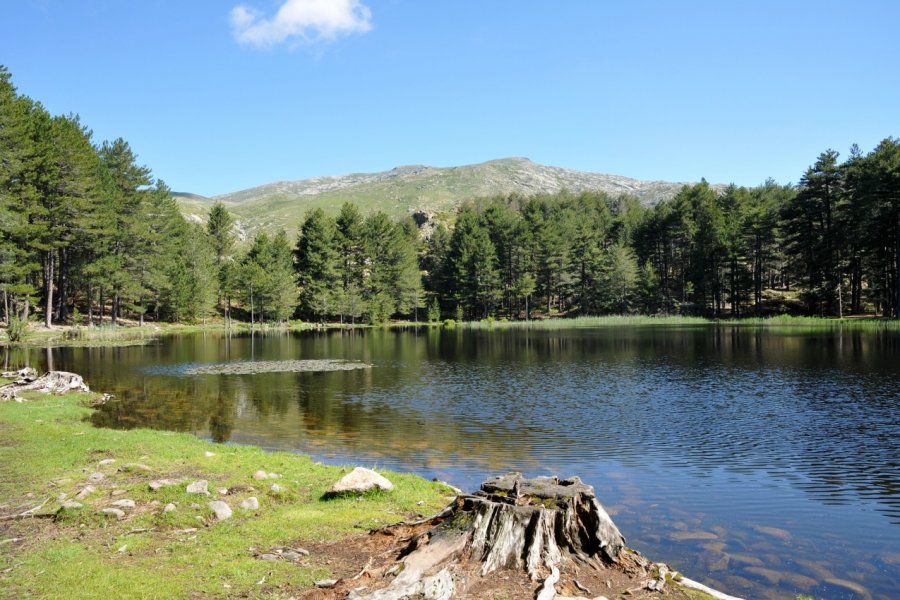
pixel 50 452
pixel 130 333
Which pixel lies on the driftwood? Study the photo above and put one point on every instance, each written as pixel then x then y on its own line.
pixel 54 382
pixel 514 523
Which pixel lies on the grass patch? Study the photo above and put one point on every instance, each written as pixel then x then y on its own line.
pixel 779 322
pixel 47 449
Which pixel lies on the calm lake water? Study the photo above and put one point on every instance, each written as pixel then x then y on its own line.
pixel 766 463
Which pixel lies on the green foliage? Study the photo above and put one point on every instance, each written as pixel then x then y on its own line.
pixel 434 311
pixel 17 331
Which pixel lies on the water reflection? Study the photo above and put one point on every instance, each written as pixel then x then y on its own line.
pixel 763 461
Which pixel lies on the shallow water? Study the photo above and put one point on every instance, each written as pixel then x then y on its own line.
pixel 766 463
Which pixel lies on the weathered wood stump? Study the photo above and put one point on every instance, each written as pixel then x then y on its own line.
pixel 54 382
pixel 511 522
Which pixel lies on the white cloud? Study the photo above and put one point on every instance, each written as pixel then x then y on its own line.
pixel 301 20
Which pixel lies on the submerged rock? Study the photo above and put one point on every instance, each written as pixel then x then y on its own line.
pixel 360 480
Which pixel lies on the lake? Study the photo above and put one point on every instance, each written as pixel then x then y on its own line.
pixel 762 462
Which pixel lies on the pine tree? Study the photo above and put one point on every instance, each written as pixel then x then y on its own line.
pixel 316 264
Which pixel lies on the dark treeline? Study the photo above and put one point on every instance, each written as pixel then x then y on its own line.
pixel 86 231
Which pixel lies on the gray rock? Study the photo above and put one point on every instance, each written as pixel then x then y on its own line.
pixel 198 487
pixel 106 461
pixel 194 505
pixel 130 467
pixel 62 498
pixel 161 483
pixel 119 492
pixel 360 480
pixel 222 491
pixel 268 557
pixel 291 555
pixel 222 510
pixel 250 503
pixel 260 475
pixel 125 503
pixel 72 504
pixel 326 583
pixel 113 512
pixel 169 508
pixel 276 488
pixel 96 477
pixel 85 492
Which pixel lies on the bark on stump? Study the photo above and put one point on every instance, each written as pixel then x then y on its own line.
pixel 511 522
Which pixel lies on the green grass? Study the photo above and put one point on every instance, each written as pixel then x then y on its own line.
pixel 47 448
pixel 779 322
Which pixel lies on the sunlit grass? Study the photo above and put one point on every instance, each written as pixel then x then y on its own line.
pixel 47 448
pixel 781 321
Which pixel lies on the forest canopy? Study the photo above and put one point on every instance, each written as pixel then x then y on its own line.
pixel 88 233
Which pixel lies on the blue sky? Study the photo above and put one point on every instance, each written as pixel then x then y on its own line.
pixel 217 96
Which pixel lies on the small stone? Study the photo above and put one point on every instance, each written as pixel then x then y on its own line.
pixel 72 504
pixel 222 510
pixel 222 491
pixel 268 557
pixel 198 487
pixel 274 476
pixel 161 483
pixel 62 498
pixel 250 503
pixel 119 492
pixel 420 503
pixel 106 461
pixel 194 505
pixel 85 492
pixel 122 548
pixel 291 555
pixel 260 475
pixel 360 480
pixel 134 467
pixel 276 488
pixel 169 508
pixel 113 512
pixel 155 503
pixel 209 454
pixel 125 503
pixel 326 583
pixel 96 477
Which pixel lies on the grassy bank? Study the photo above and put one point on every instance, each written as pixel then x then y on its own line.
pixel 779 322
pixel 48 449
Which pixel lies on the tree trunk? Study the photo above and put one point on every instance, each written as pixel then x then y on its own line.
pixel 531 525
pixel 897 271
pixel 48 289
pixel 62 310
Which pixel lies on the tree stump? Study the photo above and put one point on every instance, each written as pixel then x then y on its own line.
pixel 54 382
pixel 511 522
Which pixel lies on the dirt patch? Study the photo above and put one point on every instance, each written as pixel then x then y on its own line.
pixel 351 558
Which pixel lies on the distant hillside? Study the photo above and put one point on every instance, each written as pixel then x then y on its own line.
pixel 404 190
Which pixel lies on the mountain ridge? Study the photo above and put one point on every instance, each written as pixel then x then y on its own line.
pixel 409 188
